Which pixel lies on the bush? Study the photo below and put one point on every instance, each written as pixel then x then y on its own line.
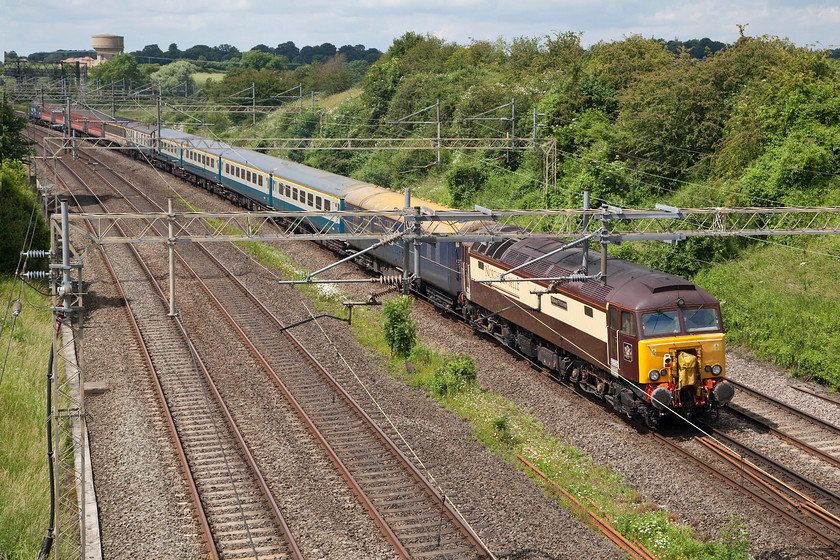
pixel 453 376
pixel 400 328
pixel 15 211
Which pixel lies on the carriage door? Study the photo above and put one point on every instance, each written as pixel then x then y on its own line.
pixel 465 270
pixel 613 344
pixel 623 343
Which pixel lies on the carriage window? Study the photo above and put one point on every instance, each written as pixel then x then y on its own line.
pixel 248 176
pixel 288 191
pixel 701 319
pixel 556 301
pixel 227 168
pixel 628 323
pixel 326 205
pixel 259 180
pixel 294 194
pixel 317 202
pixel 660 322
pixel 309 199
pixel 587 310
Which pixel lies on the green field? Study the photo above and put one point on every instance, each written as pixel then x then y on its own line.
pixel 202 77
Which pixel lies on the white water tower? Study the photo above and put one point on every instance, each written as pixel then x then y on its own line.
pixel 106 46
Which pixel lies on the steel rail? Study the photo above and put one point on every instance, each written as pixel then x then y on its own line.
pixel 294 549
pixel 808 391
pixel 742 488
pixel 781 434
pixel 207 535
pixel 360 494
pixel 775 486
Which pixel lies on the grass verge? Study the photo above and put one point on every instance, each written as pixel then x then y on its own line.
pixel 24 478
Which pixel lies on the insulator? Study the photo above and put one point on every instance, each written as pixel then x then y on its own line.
pixel 392 280
pixel 36 274
pixel 16 308
pixel 40 254
pixel 577 278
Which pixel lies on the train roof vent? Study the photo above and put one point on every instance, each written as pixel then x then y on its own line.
pixel 515 258
pixel 670 288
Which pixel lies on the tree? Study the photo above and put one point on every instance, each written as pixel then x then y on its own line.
pixel 173 76
pixel 227 52
pixel 15 211
pixel 151 52
pixel 287 49
pixel 14 146
pixel 122 66
pixel 263 48
pixel 258 60
pixel 400 328
pixel 330 78
pixel 197 51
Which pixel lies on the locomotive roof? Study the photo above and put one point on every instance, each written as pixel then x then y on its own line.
pixel 629 285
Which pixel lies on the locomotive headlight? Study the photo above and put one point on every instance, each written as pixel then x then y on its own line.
pixel 717 369
pixel 654 375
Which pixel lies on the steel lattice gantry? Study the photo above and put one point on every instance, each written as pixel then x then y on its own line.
pixel 609 224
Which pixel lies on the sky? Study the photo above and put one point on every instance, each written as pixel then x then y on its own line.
pixel 47 25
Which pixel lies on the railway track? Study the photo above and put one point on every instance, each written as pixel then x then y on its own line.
pixel 411 513
pixel 236 511
pixel 780 498
pixel 811 434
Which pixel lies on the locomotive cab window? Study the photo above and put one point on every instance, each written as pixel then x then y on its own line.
pixel 660 322
pixel 628 323
pixel 701 319
pixel 587 311
pixel 480 265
